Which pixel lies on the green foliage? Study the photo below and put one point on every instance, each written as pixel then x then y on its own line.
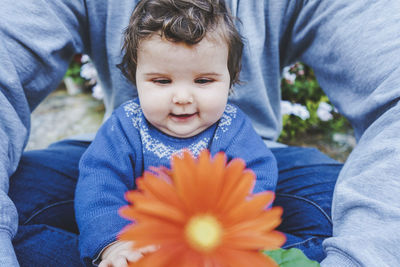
pixel 74 71
pixel 291 258
pixel 305 90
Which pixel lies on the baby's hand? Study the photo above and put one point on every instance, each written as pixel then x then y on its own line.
pixel 120 253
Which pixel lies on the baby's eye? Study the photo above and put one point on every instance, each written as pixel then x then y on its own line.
pixel 203 80
pixel 161 81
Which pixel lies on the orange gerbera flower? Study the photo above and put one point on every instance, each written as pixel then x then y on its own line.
pixel 202 213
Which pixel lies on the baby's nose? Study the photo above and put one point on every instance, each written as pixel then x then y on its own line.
pixel 182 98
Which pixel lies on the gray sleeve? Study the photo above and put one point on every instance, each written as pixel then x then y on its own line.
pixel 37 40
pixel 354 48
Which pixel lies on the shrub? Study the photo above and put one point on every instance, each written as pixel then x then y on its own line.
pixel 305 108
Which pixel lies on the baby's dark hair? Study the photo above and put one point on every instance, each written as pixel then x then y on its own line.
pixel 181 21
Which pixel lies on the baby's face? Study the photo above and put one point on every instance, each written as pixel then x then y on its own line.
pixel 182 89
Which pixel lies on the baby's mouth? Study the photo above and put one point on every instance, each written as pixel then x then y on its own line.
pixel 183 117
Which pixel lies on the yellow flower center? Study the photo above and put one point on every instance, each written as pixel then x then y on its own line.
pixel 203 232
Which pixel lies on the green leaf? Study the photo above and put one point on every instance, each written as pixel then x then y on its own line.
pixel 291 258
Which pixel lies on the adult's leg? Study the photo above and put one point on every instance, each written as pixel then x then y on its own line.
pixel 305 188
pixel 42 189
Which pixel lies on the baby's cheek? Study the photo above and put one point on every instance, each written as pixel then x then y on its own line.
pixel 213 114
pixel 154 105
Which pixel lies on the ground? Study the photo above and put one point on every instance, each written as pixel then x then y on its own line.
pixel 62 115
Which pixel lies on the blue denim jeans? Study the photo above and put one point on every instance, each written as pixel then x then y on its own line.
pixel 43 188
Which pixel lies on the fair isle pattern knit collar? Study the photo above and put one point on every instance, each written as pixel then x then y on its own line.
pixel 134 112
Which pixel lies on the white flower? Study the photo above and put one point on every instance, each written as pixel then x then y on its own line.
pixel 88 71
pixel 85 59
pixel 300 111
pixel 286 107
pixel 288 76
pixel 97 92
pixel 324 111
pixel 294 109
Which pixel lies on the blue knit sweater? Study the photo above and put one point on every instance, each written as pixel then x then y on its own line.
pixel 126 145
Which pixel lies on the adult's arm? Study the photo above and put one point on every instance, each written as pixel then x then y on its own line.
pixel 354 48
pixel 37 40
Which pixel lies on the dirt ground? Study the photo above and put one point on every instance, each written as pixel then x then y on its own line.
pixel 62 115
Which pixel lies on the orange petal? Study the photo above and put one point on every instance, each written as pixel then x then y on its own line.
pixel 255 241
pixel 183 175
pixel 190 258
pixel 149 205
pixel 266 221
pixel 152 234
pixel 237 195
pixel 233 173
pixel 210 177
pixel 159 189
pixel 134 196
pixel 162 172
pixel 250 208
pixel 126 212
pixel 160 258
pixel 138 216
pixel 160 210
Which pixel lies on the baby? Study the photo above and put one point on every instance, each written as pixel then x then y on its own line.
pixel 183 56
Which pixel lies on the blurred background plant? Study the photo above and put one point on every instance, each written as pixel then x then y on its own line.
pixel 309 119
pixel 81 77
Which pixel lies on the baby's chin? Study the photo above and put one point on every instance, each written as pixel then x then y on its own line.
pixel 182 133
